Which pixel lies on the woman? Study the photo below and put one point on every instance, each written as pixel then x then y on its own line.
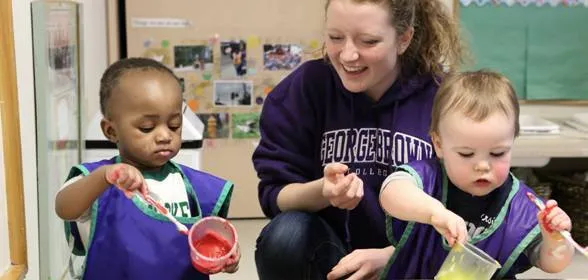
pixel 332 129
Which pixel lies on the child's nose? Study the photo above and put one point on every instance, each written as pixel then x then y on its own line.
pixel 482 166
pixel 163 135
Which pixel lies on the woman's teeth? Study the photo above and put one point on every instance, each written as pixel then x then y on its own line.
pixel 353 69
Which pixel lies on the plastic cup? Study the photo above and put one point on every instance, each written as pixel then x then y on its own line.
pixel 213 242
pixel 465 262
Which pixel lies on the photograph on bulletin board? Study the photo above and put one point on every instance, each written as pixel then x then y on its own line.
pixel 215 125
pixel 281 56
pixel 233 93
pixel 192 58
pixel 233 59
pixel 245 125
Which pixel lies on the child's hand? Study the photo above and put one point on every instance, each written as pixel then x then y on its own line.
pixel 450 225
pixel 553 218
pixel 231 266
pixel 127 178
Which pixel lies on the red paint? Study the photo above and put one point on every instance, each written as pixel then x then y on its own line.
pixel 544 211
pixel 544 221
pixel 212 245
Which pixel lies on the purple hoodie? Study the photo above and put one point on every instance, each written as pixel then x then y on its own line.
pixel 310 120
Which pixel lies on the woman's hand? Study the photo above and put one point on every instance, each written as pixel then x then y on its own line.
pixel 343 191
pixel 362 264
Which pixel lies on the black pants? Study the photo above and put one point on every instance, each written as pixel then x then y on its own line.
pixel 298 246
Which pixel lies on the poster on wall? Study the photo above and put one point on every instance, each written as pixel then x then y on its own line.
pixel 233 59
pixel 233 93
pixel 56 56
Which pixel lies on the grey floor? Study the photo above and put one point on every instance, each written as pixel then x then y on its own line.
pixel 249 229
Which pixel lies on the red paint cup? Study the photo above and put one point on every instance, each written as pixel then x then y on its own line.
pixel 213 242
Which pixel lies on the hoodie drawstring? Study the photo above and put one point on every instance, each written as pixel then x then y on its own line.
pixel 348 212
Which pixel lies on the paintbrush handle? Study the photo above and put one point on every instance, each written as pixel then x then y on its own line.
pixel 568 236
pixel 162 210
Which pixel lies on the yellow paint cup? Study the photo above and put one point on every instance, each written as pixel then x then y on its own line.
pixel 467 262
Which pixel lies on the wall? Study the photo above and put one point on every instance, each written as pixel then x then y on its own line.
pixel 543 110
pixel 94 59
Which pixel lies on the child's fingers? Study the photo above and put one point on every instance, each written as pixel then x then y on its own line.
pixel 144 190
pixel 449 237
pixel 232 268
pixel 215 270
pixel 550 203
pixel 549 215
pixel 561 222
pixel 462 232
pixel 136 184
pixel 540 215
pixel 113 175
pixel 122 179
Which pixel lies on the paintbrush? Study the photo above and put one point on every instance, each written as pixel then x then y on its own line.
pixel 162 210
pixel 564 233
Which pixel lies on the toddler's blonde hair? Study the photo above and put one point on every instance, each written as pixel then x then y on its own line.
pixel 476 94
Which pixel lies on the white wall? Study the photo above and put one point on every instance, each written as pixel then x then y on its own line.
pixel 94 59
pixel 95 56
pixel 4 249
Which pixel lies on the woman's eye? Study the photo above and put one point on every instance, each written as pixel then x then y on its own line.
pixel 466 155
pixel 371 42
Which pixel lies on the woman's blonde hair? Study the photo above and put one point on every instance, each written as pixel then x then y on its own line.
pixel 476 94
pixel 435 41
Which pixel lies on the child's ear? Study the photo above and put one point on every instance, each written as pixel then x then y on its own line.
pixel 108 130
pixel 437 144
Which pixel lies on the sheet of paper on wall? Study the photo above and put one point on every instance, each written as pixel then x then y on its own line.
pixel 160 23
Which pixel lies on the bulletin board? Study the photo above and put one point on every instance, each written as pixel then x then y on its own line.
pixel 229 54
pixel 539 45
